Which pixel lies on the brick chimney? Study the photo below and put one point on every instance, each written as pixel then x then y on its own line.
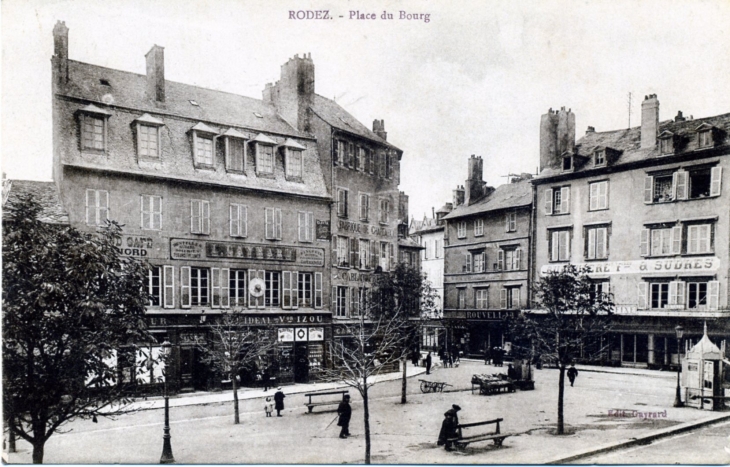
pixel 293 94
pixel 557 135
pixel 474 183
pixel 379 128
pixel 459 196
pixel 60 51
pixel 156 73
pixel 649 121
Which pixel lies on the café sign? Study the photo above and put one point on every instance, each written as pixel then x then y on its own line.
pixel 347 226
pixel 698 265
pixel 134 245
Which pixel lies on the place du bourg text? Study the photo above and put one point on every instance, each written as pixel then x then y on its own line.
pixel 359 15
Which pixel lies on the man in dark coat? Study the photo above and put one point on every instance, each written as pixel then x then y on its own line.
pixel 428 363
pixel 266 376
pixel 449 428
pixel 279 401
pixel 345 412
pixel 572 373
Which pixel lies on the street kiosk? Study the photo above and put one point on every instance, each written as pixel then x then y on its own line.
pixel 703 375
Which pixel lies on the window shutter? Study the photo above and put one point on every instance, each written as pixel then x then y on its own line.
pixel 90 211
pixel 334 301
pixel 286 286
pixel 648 189
pixel 677 240
pixel 225 288
pixel 565 245
pixel 591 244
pixel 185 287
pixel 254 302
pixel 642 290
pixel 310 227
pixel 715 181
pixel 317 290
pixel 295 289
pixel 354 309
pixel 277 222
pixel 269 223
pixel 506 222
pixel 206 217
pixel 354 252
pixel 555 246
pixel 234 221
pixel 518 259
pixel 391 255
pixel 467 262
pixel 169 281
pixel 346 304
pixel 144 214
pixel 681 287
pixel 503 299
pixel 565 200
pixel 302 225
pixel 216 287
pixel 500 260
pixel 336 153
pixel 644 247
pixel 673 293
pixel 679 180
pixel 373 254
pixel 602 243
pixel 593 196
pixel 713 295
pixel 603 195
pixel 243 220
pixel 548 201
pixel 194 216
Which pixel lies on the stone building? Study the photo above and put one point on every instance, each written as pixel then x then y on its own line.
pixel 647 209
pixel 486 260
pixel 219 192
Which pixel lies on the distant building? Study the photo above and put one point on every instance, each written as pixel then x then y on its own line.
pixel 647 209
pixel 486 261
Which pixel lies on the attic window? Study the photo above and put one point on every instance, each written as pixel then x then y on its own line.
pixel 600 157
pixel 567 163
pixel 194 103
pixel 104 82
pixel 258 115
pixel 705 138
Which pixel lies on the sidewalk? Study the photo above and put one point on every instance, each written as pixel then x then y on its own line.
pixel 203 398
pixel 619 370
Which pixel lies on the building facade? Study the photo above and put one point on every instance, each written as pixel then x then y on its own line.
pixel 486 260
pixel 646 208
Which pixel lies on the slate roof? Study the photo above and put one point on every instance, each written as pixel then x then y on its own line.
pixel 409 243
pixel 511 195
pixel 428 224
pixel 628 142
pixel 45 193
pixel 130 90
pixel 332 113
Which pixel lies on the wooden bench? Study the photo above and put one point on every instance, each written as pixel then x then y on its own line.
pixel 310 405
pixel 463 441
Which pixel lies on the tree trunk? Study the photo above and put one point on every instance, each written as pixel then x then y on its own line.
pixel 404 383
pixel 11 437
pixel 366 417
pixel 39 441
pixel 236 419
pixel 561 393
pixel 38 452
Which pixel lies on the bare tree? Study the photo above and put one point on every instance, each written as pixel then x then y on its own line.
pixel 571 315
pixel 368 345
pixel 234 345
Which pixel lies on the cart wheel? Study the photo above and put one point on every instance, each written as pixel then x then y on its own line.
pixel 424 387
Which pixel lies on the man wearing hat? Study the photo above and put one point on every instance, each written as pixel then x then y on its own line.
pixel 279 401
pixel 449 427
pixel 345 412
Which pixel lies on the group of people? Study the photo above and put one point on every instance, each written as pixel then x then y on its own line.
pixel 277 403
pixel 344 411
pixel 495 356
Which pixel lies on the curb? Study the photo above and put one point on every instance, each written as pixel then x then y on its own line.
pixel 688 426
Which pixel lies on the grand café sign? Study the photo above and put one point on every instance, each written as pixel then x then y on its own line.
pixel 653 266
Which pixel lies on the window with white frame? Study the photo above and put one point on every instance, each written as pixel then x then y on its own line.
pixel 467 262
pixel 661 240
pixel 199 286
pixel 351 155
pixel 596 242
pixel 598 195
pixel 305 290
pixel 699 238
pixel 154 285
pixel 479 261
pixel 97 207
pixel 599 158
pixel 704 138
pixel 272 293
pixel 293 163
pixel 478 227
pixel 557 200
pixel 199 217
pixel 148 141
pixel 339 153
pixel 204 148
pixel 481 299
pixel 361 158
pixel 384 211
pixel 235 154
pixel 93 122
pixel 342 202
pixel 697 295
pixel 510 259
pixel 151 212
pixel 343 251
pixel 461 229
pixel 559 245
pixel 509 298
pixel 237 289
pixel 511 221
pixel 364 246
pixel 306 226
pixel 387 256
pixel 364 207
pixel 238 219
pixel 659 295
pixel 600 288
pixel 461 298
pixel 264 159
pixel 340 301
pixel 273 223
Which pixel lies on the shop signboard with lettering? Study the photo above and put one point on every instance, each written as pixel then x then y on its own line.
pixel 701 265
pixel 139 246
pixel 286 334
pixel 354 227
pixel 209 250
pixel 323 230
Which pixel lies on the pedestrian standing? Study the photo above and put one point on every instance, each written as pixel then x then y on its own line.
pixel 268 406
pixel 428 363
pixel 487 355
pixel 450 359
pixel 279 401
pixel 572 373
pixel 345 412
pixel 266 378
pixel 449 428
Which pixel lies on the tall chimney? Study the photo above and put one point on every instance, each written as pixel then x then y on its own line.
pixel 156 73
pixel 474 183
pixel 566 131
pixel 293 94
pixel 60 50
pixel 379 128
pixel 557 135
pixel 649 121
pixel 459 196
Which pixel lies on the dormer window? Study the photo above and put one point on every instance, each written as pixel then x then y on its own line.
pixel 203 145
pixel 264 154
pixel 293 159
pixel 567 163
pixel 93 122
pixel 235 148
pixel 666 142
pixel 148 136
pixel 599 158
pixel 705 136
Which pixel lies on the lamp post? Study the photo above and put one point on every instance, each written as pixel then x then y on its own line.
pixel 167 457
pixel 678 397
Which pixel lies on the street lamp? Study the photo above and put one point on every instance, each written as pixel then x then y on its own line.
pixel 678 398
pixel 167 457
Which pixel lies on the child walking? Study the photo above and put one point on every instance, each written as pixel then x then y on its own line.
pixel 268 406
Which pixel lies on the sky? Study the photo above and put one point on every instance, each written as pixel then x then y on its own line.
pixel 473 77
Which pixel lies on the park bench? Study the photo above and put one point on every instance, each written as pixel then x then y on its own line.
pixel 310 405
pixel 462 441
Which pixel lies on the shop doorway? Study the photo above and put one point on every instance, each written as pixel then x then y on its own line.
pixel 193 374
pixel 301 362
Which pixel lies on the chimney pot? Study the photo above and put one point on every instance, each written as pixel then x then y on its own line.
pixel 679 117
pixel 590 130
pixel 156 73
pixel 649 121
